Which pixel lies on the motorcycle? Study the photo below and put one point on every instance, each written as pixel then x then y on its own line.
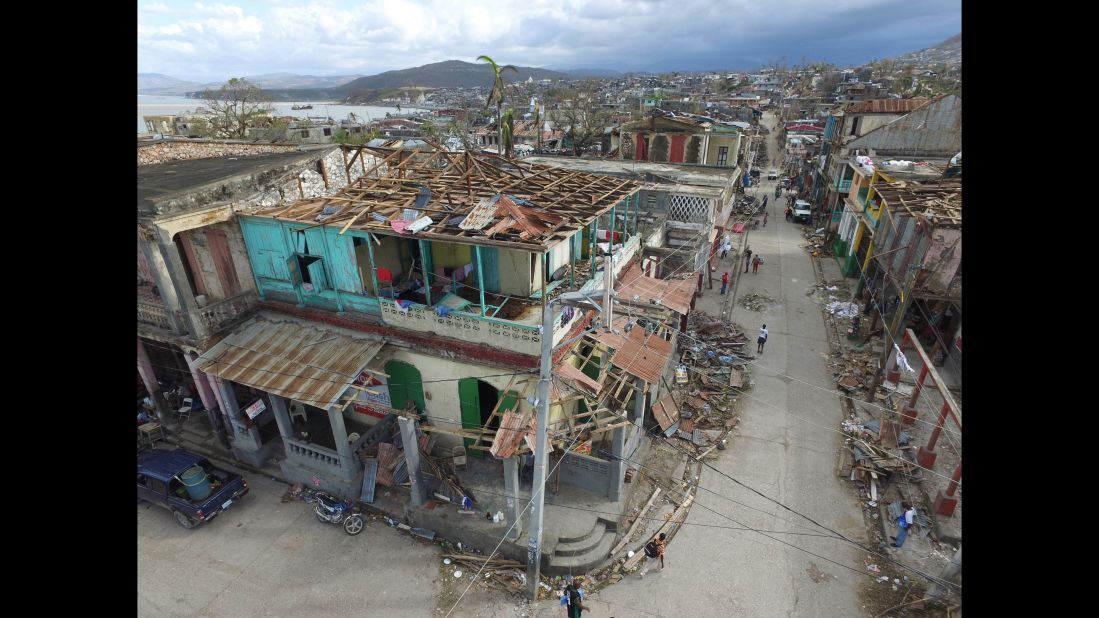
pixel 331 510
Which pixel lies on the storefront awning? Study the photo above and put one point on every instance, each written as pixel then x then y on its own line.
pixel 290 359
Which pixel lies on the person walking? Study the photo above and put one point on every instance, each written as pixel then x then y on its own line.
pixel 747 258
pixel 724 282
pixel 653 549
pixel 764 206
pixel 904 522
pixel 573 600
pixel 762 339
pixel 764 218
pixel 756 261
pixel 789 213
pixel 725 246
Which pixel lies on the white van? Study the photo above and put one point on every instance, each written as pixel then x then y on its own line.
pixel 802 211
pixel 772 174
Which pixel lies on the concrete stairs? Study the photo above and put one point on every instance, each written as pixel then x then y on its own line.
pixel 577 555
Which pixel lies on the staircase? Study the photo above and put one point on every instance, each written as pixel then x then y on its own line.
pixel 577 555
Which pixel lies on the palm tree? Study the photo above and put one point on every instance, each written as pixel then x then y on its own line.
pixel 496 95
pixel 507 131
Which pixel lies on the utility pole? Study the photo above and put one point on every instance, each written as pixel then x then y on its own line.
pixel 538 489
pixel 534 540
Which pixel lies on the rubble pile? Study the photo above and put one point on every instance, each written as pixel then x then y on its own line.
pixel 710 373
pixel 854 372
pixel 874 451
pixel 815 242
pixel 163 152
pixel 499 573
pixel 756 302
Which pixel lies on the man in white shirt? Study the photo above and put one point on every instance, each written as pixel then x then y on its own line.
pixel 904 522
pixel 762 339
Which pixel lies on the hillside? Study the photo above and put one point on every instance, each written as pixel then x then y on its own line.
pixel 949 51
pixel 447 74
pixel 158 83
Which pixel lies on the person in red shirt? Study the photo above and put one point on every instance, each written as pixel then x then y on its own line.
pixel 724 282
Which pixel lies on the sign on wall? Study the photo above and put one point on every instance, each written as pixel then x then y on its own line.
pixel 376 404
pixel 253 410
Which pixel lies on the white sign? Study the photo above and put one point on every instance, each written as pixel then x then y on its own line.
pixel 254 409
pixel 374 404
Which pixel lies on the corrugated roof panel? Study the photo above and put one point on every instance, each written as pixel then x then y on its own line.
pixel 304 363
pixel 643 355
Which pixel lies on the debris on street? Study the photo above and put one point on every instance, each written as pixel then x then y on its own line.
pixel 756 302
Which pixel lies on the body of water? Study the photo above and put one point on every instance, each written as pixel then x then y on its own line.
pixel 153 105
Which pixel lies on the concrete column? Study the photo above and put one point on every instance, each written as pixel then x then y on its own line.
pixel 174 265
pixel 247 438
pixel 164 284
pixel 617 466
pixel 639 404
pixel 212 381
pixel 282 417
pixel 207 397
pixel 339 432
pixel 412 458
pixel 204 391
pixel 148 376
pixel 511 488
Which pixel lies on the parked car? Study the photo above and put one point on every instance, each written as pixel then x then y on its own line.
pixel 772 174
pixel 160 480
pixel 802 211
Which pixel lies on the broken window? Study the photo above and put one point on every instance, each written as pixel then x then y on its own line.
pixel 327 132
pixel 722 156
pixel 308 272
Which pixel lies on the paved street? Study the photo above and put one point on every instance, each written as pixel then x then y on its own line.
pixel 266 558
pixel 715 571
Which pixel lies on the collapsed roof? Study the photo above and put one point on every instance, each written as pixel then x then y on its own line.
pixel 431 194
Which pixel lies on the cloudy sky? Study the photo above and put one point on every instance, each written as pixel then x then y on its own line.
pixel 212 41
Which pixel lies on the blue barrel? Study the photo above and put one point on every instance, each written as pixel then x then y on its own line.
pixel 196 482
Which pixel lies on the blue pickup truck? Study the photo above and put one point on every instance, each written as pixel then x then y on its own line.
pixel 160 480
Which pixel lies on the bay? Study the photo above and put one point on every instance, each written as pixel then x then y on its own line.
pixel 154 105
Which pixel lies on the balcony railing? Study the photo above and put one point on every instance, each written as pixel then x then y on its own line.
pixel 312 454
pixel 153 313
pixel 221 313
pixel 521 338
pixel 844 186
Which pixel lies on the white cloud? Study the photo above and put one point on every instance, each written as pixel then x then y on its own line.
pixel 329 36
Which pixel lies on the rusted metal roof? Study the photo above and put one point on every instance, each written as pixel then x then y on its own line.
pixel 582 381
pixel 666 412
pixel 513 428
pixel 675 294
pixel 887 106
pixel 643 355
pixel 304 363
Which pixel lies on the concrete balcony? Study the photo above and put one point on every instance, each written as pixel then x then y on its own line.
pixel 151 310
pixel 519 336
pixel 224 313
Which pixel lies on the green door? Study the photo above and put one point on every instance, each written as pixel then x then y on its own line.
pixel 405 385
pixel 470 400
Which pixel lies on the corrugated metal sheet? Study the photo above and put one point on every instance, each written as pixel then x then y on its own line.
pixel 304 363
pixel 585 383
pixel 666 412
pixel 887 106
pixel 674 294
pixel 643 355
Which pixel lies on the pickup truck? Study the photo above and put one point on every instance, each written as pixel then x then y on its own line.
pixel 802 211
pixel 159 482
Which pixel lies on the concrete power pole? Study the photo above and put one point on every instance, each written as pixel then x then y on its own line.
pixel 534 540
pixel 538 489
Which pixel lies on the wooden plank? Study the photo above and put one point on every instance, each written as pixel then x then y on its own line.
pixel 675 519
pixel 370 479
pixel 640 518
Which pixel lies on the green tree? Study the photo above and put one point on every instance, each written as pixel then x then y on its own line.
pixel 507 131
pixel 236 106
pixel 496 94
